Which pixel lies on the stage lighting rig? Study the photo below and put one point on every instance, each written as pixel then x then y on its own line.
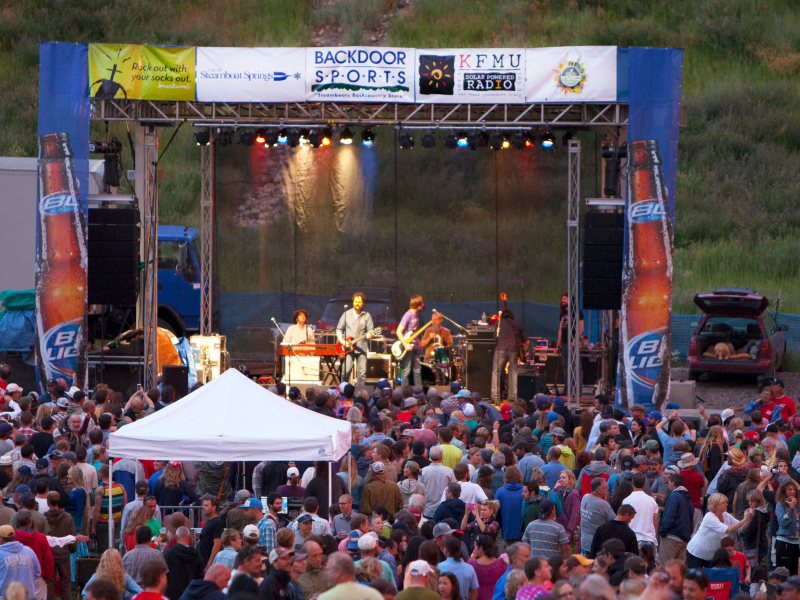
pixel 224 137
pixel 261 136
pixel 283 136
pixel 346 137
pixel 548 140
pixel 293 137
pixel 462 140
pixel 304 136
pixel 519 141
pixel 271 137
pixel 367 137
pixel 451 141
pixel 473 141
pixel 612 156
pixel 496 141
pixel 202 136
pixel 483 139
pixel 327 136
pixel 315 138
pixel 565 139
pixel 429 140
pixel 247 137
pixel 406 141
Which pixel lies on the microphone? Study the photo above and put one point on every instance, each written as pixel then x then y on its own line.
pixel 274 321
pixel 345 306
pixel 434 310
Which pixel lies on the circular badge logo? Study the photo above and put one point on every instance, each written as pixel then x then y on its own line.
pixel 570 77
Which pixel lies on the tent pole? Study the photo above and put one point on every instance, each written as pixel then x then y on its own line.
pixel 330 490
pixel 110 502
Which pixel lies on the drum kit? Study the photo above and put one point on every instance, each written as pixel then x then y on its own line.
pixel 445 364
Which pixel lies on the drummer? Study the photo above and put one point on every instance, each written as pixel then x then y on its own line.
pixel 436 335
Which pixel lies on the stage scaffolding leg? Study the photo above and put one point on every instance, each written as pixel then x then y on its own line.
pixel 149 214
pixel 206 236
pixel 573 263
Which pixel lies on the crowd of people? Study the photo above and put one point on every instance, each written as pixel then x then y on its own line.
pixel 443 496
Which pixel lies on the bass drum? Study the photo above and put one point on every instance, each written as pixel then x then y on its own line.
pixel 441 357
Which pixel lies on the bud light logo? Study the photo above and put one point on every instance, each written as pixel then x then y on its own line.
pixel 59 203
pixel 644 357
pixel 648 210
pixel 60 347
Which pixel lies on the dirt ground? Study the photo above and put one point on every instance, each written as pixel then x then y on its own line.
pixel 723 391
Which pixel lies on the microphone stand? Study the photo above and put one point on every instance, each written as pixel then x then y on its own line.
pixel 461 327
pixel 462 304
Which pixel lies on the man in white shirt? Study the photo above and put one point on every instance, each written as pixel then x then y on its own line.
pixel 471 493
pixel 645 523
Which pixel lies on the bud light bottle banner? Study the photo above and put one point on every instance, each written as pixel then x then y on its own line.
pixel 644 369
pixel 61 266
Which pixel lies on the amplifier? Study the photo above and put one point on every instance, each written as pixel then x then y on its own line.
pixel 478 367
pixel 480 332
pixel 378 366
pixel 178 377
pixel 530 385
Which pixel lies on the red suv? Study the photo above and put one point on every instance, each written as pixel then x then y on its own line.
pixel 736 334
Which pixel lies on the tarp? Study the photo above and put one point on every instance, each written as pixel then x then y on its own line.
pixel 233 418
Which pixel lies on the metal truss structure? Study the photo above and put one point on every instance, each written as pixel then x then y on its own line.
pixel 603 116
pixel 574 381
pixel 224 114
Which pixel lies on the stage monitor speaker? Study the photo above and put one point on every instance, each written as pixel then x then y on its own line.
pixel 478 368
pixel 178 377
pixel 378 367
pixel 113 251
pixel 603 237
pixel 530 385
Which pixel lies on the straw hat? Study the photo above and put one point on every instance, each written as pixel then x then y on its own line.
pixel 687 461
pixel 735 457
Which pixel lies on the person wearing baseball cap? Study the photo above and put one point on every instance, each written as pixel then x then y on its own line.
pixel 417 590
pixel 780 398
pixel 292 487
pixel 380 492
pixel 276 585
pixel 18 563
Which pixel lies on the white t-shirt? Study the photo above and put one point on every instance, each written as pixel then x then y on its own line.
pixel 709 536
pixel 642 524
pixel 471 493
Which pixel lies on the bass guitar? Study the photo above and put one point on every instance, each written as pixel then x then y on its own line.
pixel 399 348
pixel 520 343
pixel 350 343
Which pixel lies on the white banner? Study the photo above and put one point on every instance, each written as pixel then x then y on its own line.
pixel 250 75
pixel 477 76
pixel 359 74
pixel 572 74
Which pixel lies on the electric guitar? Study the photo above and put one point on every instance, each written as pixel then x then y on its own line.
pixel 350 343
pixel 520 343
pixel 399 348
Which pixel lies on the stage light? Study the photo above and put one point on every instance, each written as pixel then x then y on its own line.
pixel 327 136
pixel 346 137
pixel 565 139
pixel 473 141
pixel 367 137
pixel 528 139
pixel 304 136
pixel 271 137
pixel 293 138
pixel 451 141
pixel 496 141
pixel 518 141
pixel 247 137
pixel 224 137
pixel 429 140
pixel 548 140
pixel 202 137
pixel 406 141
pixel 315 138
pixel 483 139
pixel 261 136
pixel 283 136
pixel 462 139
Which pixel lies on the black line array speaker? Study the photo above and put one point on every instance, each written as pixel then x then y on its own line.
pixel 178 377
pixel 603 236
pixel 113 276
pixel 478 368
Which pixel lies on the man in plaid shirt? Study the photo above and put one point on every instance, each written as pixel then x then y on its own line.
pixel 26 419
pixel 267 534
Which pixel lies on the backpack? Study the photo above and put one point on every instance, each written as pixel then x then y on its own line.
pixel 586 484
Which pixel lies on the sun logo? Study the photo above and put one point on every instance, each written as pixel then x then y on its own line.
pixel 436 74
pixel 570 76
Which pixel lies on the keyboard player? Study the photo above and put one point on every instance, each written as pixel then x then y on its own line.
pixel 300 332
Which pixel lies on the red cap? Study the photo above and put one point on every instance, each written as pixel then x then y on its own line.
pixel 505 410
pixel 416 512
pixel 752 435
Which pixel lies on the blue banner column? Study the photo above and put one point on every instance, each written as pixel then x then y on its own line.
pixel 652 88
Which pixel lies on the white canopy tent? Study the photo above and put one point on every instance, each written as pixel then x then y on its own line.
pixel 232 418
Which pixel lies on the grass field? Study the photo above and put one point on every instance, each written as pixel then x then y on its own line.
pixel 737 215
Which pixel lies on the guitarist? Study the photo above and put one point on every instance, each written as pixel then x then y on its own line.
pixel 409 325
pixel 352 324
pixel 510 336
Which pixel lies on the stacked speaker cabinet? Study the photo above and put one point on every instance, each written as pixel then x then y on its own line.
pixel 603 236
pixel 113 256
pixel 478 367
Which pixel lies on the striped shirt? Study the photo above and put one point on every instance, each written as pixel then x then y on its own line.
pixel 545 537
pixel 118 502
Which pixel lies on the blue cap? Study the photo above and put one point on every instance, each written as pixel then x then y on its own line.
pixel 383 384
pixel 253 503
pixel 558 401
pixel 294 393
pixel 462 394
pixel 22 489
pixel 352 541
pixel 673 406
pixel 455 387
pixel 655 415
pixel 551 416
